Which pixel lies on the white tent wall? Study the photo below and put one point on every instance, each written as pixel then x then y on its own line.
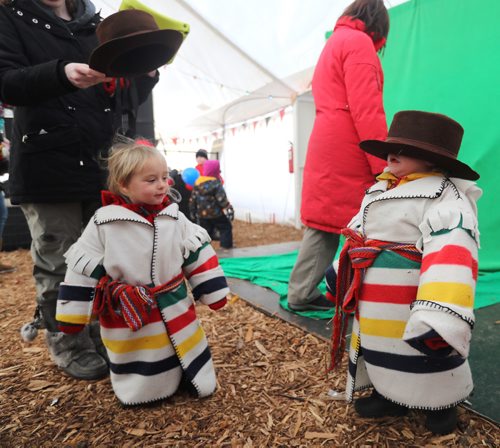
pixel 304 112
pixel 255 170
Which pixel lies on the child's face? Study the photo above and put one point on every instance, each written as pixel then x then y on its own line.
pixel 401 166
pixel 150 184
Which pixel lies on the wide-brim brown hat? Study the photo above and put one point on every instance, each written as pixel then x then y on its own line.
pixel 132 44
pixel 428 136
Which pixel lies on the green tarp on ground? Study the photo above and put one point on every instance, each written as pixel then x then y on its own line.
pixel 274 271
pixel 443 56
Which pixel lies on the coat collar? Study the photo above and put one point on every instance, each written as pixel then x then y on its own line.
pixel 112 213
pixel 426 187
pixel 359 25
pixel 41 16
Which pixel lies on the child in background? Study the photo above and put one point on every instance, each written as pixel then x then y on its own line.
pixel 408 271
pixel 129 268
pixel 209 201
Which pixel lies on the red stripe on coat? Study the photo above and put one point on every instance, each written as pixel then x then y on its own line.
pixel 182 321
pixel 211 263
pixel 451 254
pixel 401 295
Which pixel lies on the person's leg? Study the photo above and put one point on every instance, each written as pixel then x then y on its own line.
pixel 54 228
pixel 208 225
pixel 4 268
pixel 225 231
pixel 316 253
pixel 3 213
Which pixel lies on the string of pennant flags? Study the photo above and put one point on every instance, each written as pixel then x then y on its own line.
pixel 240 127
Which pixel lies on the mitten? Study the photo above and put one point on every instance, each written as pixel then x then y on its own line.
pixel 218 305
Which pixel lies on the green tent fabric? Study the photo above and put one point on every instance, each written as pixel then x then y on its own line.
pixel 274 271
pixel 442 56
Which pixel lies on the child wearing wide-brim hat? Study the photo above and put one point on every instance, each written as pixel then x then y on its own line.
pixel 408 271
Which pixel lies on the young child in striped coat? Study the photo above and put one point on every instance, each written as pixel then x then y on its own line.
pixel 130 268
pixel 408 272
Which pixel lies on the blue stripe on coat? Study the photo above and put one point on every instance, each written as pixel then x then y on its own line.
pixel 411 363
pixel 76 293
pixel 197 363
pixel 210 286
pixel 145 368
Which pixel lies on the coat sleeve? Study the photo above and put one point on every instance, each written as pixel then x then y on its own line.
pixel 84 268
pixel 144 85
pixel 445 296
pixel 201 267
pixel 364 87
pixel 23 84
pixel 221 196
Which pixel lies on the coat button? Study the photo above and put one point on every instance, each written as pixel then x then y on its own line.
pixel 35 21
pixel 19 13
pixel 47 26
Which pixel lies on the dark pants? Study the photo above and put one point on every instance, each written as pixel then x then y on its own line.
pixel 223 225
pixel 54 228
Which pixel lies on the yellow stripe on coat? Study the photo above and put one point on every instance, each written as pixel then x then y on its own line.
pixel 191 342
pixel 456 293
pixel 382 328
pixel 130 345
pixel 354 341
pixel 80 319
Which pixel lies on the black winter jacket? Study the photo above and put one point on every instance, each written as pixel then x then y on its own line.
pixel 60 133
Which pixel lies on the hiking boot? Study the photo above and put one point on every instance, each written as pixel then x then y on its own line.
pixel 377 406
pixel 95 335
pixel 76 355
pixel 320 303
pixel 441 422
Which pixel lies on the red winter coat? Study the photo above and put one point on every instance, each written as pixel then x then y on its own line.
pixel 347 89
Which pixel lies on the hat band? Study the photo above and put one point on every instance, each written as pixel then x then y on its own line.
pixel 423 145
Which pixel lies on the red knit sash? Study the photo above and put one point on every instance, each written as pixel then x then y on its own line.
pixel 356 256
pixel 134 303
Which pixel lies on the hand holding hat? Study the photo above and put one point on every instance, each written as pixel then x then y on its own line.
pixel 131 44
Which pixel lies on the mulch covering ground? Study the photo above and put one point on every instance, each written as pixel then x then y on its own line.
pixel 272 392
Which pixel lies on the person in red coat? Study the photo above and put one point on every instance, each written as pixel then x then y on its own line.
pixel 347 89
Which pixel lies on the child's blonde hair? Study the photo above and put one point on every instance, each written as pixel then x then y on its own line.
pixel 125 160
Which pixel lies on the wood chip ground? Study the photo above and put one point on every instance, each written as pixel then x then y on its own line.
pixel 272 388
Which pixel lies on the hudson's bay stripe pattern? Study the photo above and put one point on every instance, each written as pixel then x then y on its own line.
pixel 403 301
pixel 149 364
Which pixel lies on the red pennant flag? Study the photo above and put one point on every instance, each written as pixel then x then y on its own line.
pixel 254 125
pixel 174 140
pixel 282 113
pixel 233 130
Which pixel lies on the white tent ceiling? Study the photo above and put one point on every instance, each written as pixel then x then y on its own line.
pixel 242 59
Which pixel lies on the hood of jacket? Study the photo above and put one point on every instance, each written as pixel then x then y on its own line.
pixel 207 184
pixel 85 12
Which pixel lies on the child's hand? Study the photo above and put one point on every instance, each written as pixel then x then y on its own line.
pixel 436 343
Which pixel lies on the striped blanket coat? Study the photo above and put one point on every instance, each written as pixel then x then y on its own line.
pixel 403 302
pixel 147 364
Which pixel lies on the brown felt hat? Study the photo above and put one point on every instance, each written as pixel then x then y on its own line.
pixel 131 43
pixel 432 137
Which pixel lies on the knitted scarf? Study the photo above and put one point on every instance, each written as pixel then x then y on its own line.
pixel 145 210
